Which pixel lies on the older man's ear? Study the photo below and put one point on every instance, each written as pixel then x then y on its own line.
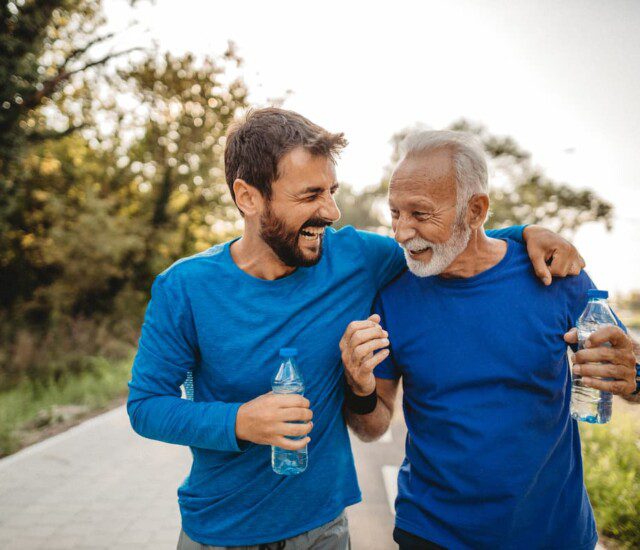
pixel 477 209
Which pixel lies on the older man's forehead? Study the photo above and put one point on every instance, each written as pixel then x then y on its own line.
pixel 430 176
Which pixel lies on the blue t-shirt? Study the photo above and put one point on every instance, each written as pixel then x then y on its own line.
pixel 209 318
pixel 492 455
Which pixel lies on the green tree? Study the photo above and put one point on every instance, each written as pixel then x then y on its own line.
pixel 520 192
pixel 109 173
pixel 49 70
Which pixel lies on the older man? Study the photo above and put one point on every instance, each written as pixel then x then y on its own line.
pixel 492 455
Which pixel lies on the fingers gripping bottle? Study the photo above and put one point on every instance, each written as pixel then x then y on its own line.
pixel 588 404
pixel 288 380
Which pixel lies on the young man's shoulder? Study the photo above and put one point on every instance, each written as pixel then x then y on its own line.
pixel 202 264
pixel 351 236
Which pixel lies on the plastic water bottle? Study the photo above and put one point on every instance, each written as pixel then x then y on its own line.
pixel 288 380
pixel 588 404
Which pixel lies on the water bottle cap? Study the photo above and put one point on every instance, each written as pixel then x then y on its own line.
pixel 595 293
pixel 288 352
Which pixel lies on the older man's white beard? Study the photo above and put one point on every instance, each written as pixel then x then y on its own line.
pixel 442 256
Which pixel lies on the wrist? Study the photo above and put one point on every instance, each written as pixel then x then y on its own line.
pixel 240 428
pixel 527 230
pixel 360 404
pixel 362 389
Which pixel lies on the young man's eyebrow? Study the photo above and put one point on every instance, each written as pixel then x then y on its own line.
pixel 317 189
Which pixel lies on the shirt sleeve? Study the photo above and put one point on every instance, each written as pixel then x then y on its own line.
pixel 388 368
pixel 383 256
pixel 513 232
pixel 167 351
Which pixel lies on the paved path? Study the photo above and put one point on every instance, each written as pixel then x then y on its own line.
pixel 99 485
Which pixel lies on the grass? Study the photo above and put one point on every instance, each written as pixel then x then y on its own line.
pixel 32 408
pixel 611 456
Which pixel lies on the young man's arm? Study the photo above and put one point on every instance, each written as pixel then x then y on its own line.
pixel 167 351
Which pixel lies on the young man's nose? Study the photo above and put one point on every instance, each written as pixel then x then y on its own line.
pixel 329 210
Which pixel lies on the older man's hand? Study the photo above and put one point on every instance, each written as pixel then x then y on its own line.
pixel 550 254
pixel 611 369
pixel 358 346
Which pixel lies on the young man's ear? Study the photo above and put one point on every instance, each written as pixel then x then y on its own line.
pixel 477 210
pixel 248 198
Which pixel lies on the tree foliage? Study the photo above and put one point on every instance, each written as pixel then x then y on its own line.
pixel 521 193
pixel 109 172
pixel 111 168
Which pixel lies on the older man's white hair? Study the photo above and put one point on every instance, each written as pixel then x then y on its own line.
pixel 471 179
pixel 468 157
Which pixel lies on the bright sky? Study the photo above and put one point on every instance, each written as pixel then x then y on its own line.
pixel 563 78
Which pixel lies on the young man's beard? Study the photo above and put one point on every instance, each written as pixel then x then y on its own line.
pixel 284 241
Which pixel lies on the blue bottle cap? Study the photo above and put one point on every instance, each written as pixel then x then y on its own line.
pixel 288 352
pixel 595 293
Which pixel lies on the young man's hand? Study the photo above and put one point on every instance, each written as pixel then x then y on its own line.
pixel 358 346
pixel 550 254
pixel 269 419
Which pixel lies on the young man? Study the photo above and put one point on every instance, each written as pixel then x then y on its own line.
pixel 222 316
pixel 492 455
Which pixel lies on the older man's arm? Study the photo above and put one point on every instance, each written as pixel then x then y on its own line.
pixel 371 426
pixel 609 368
pixel 359 344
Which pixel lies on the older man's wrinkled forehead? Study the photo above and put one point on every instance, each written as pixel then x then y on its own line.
pixel 430 174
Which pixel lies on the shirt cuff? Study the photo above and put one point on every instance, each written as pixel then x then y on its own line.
pixel 232 442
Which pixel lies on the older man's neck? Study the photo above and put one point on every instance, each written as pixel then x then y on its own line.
pixel 482 253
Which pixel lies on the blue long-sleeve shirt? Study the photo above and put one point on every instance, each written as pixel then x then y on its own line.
pixel 209 319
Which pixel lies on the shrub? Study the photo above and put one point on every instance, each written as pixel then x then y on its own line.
pixel 612 476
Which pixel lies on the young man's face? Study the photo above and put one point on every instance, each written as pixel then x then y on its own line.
pixel 302 204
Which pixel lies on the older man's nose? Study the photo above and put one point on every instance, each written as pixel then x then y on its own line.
pixel 403 231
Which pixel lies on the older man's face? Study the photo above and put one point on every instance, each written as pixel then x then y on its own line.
pixel 422 199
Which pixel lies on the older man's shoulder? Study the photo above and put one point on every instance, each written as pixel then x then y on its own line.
pixel 402 283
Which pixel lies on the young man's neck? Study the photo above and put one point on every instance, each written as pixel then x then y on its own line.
pixel 251 254
pixel 481 253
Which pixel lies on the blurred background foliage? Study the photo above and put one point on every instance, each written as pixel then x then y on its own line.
pixel 521 193
pixel 111 168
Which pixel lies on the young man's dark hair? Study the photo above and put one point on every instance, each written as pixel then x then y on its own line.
pixel 256 145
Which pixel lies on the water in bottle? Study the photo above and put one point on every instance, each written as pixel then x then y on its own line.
pixel 288 380
pixel 588 404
